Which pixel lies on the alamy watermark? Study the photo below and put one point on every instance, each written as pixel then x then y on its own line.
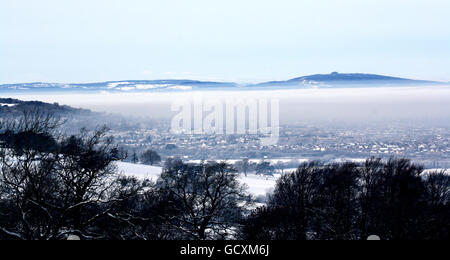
pixel 209 116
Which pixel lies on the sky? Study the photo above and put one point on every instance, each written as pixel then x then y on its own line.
pixel 244 41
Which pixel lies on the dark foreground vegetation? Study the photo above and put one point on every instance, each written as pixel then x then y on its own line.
pixel 349 201
pixel 53 186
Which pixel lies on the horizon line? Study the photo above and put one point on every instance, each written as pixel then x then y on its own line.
pixel 216 81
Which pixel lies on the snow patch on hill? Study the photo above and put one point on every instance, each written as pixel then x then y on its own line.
pixel 7 105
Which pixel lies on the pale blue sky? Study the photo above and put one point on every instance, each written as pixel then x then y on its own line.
pixel 229 40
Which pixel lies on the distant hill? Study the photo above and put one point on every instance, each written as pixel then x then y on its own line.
pixel 9 106
pixel 118 86
pixel 336 79
pixel 320 80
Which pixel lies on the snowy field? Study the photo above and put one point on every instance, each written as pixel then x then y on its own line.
pixel 258 185
pixel 139 171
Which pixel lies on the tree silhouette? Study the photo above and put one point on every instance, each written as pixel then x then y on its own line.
pixel 150 157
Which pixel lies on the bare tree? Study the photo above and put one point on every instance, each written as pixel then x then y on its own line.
pixel 49 188
pixel 438 186
pixel 209 198
pixel 297 193
pixel 150 157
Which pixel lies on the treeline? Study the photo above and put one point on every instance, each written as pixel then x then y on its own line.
pixel 394 200
pixel 148 157
pixel 54 186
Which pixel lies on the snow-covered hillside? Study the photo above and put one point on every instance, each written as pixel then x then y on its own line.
pixel 257 185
